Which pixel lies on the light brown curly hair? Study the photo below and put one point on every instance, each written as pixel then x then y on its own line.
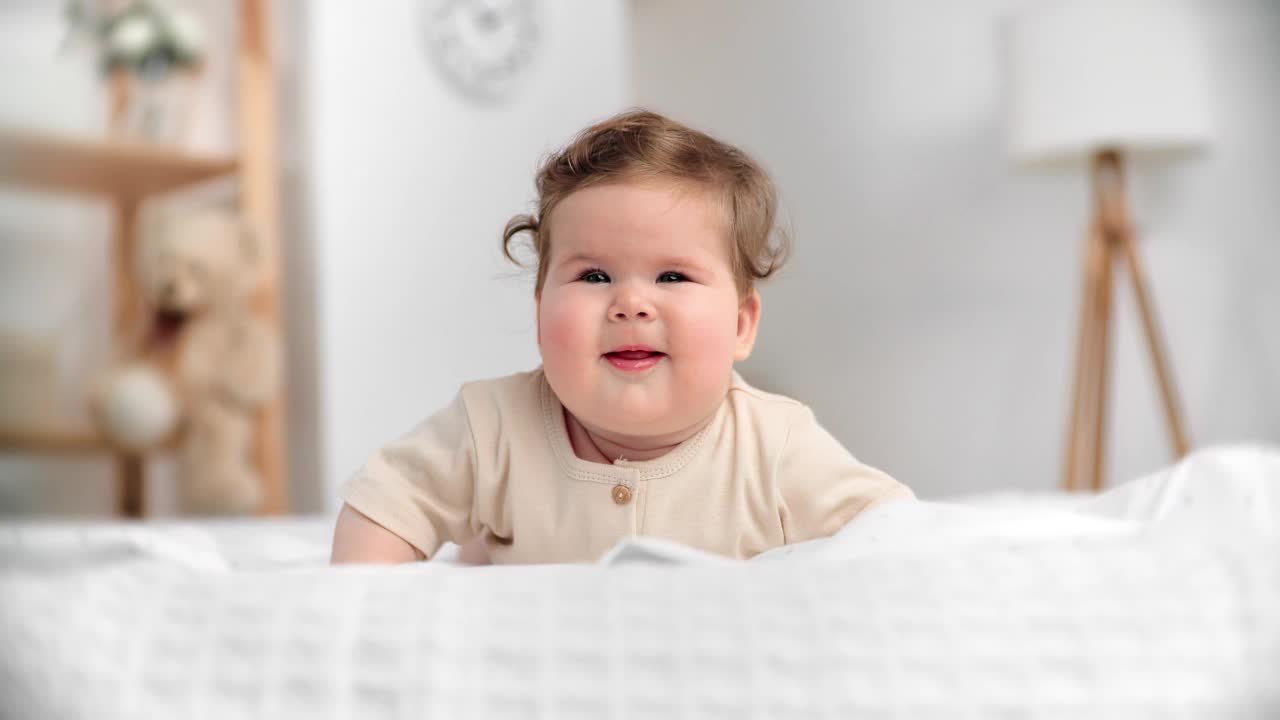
pixel 643 145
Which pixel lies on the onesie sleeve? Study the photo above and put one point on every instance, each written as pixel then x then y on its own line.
pixel 821 485
pixel 422 485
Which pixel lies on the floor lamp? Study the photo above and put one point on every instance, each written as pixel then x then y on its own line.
pixel 1091 83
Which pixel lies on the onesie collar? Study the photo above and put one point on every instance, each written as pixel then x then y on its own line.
pixel 622 471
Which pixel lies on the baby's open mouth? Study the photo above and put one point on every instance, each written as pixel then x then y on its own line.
pixel 634 360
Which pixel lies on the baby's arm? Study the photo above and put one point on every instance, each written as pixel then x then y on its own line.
pixel 822 486
pixel 357 539
pixel 413 495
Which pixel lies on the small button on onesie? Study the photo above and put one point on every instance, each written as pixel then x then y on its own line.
pixel 621 494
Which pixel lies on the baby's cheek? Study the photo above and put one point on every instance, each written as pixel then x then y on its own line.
pixel 560 329
pixel 713 333
pixel 708 341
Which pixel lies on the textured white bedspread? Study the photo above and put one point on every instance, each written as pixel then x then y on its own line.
pixel 1159 599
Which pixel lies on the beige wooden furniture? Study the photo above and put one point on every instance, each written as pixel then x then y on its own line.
pixel 1110 242
pixel 127 173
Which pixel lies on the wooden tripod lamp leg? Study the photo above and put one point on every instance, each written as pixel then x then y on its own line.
pixel 1079 441
pixel 1155 344
pixel 1102 363
pixel 1111 241
pixel 1086 445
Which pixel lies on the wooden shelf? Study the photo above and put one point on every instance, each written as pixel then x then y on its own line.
pixel 53 441
pixel 70 440
pixel 112 168
pixel 125 173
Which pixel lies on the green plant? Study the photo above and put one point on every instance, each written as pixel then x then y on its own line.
pixel 147 37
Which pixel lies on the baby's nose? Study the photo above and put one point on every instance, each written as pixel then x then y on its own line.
pixel 631 305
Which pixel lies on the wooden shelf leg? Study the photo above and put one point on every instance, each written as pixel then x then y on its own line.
pixel 126 306
pixel 130 501
pixel 124 319
pixel 260 201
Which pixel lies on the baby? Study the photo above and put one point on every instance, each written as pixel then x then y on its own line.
pixel 649 238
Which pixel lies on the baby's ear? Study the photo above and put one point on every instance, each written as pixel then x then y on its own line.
pixel 748 324
pixel 537 317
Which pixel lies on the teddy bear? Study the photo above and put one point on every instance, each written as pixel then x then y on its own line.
pixel 204 363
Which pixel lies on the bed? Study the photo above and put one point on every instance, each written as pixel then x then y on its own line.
pixel 1160 598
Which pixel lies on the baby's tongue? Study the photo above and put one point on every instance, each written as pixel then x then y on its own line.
pixel 634 354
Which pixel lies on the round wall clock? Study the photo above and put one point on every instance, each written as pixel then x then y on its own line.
pixel 482 47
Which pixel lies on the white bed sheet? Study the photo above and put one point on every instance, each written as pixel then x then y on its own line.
pixel 1158 599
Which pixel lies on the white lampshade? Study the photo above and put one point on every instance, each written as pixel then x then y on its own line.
pixel 1085 75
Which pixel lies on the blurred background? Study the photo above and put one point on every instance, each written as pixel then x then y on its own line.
pixel 929 315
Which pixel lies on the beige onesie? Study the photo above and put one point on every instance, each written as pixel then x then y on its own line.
pixel 498 460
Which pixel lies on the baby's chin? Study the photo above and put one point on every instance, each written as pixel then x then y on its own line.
pixel 663 425
pixel 621 423
pixel 640 410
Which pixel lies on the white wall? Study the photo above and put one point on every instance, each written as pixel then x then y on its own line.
pixel 930 311
pixel 403 189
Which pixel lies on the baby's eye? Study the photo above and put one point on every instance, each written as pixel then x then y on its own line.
pixel 594 276
pixel 671 277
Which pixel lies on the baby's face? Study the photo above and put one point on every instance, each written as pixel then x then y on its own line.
pixel 639 320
